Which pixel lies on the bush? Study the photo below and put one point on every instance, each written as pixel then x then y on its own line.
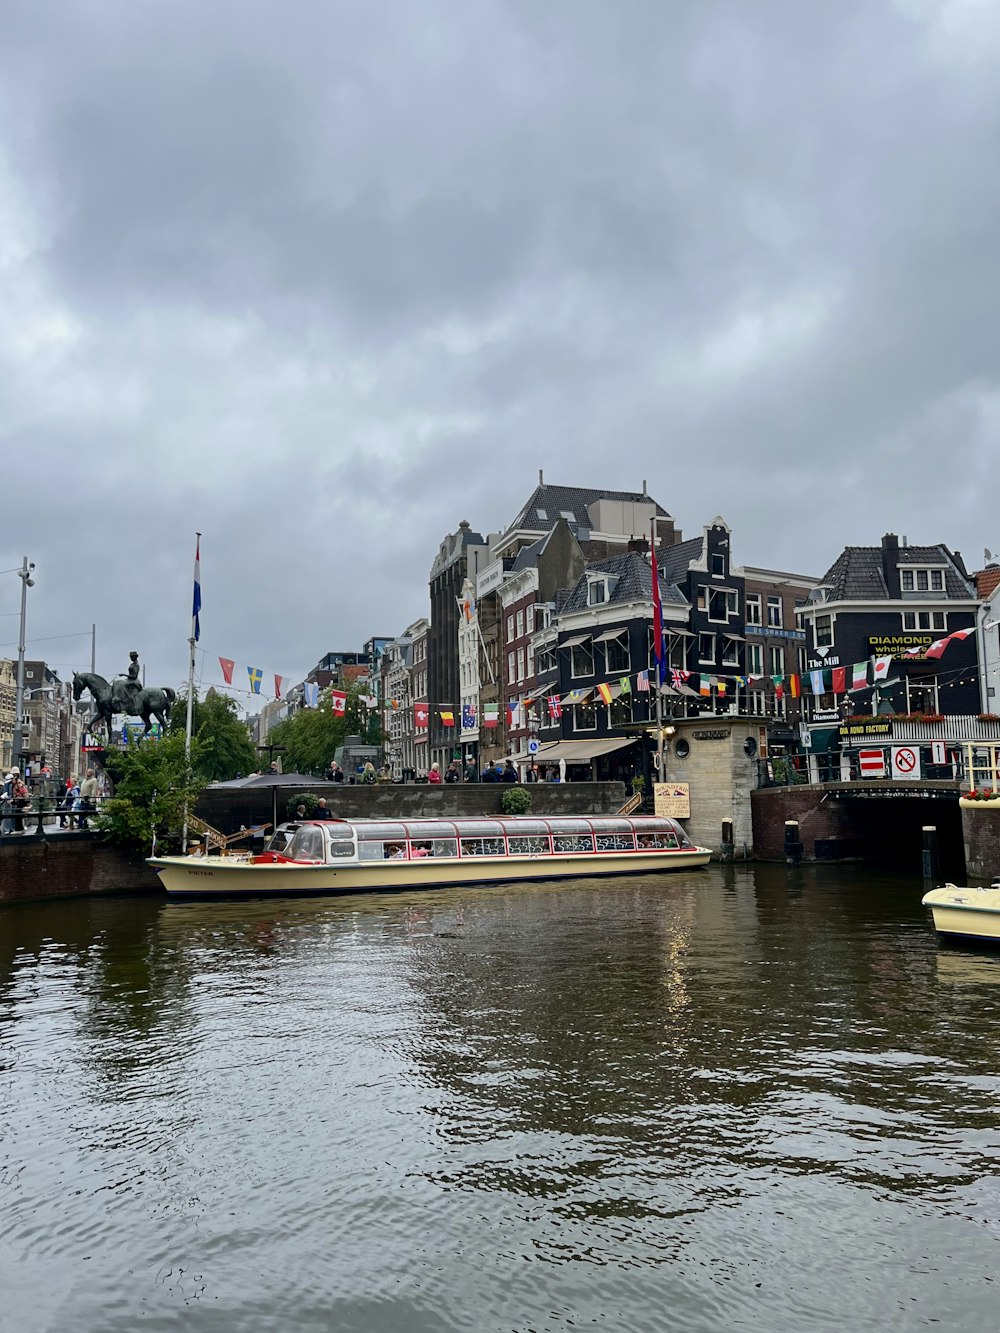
pixel 638 783
pixel 515 801
pixel 305 798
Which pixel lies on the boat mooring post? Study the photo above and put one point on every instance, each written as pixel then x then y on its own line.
pixel 930 851
pixel 793 846
pixel 727 840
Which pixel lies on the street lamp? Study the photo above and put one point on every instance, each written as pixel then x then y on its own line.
pixel 24 574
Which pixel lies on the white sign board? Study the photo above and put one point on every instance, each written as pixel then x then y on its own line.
pixel 872 763
pixel 532 747
pixel 672 799
pixel 906 762
pixel 939 754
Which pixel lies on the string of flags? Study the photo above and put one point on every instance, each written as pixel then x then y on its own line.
pixel 310 690
pixel 817 682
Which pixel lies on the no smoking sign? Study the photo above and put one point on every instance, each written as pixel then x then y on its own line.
pixel 905 762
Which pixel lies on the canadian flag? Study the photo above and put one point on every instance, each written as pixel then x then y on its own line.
pixel 420 714
pixel 338 701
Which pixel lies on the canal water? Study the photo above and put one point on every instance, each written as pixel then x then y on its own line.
pixel 730 1099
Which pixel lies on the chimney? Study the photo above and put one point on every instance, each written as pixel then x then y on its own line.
pixel 890 564
pixel 637 544
pixel 645 493
pixel 541 477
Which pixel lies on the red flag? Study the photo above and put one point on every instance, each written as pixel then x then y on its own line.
pixel 839 678
pixel 555 707
pixel 338 701
pixel 227 665
pixel 277 686
pixel 661 665
pixel 420 714
pixel 794 685
pixel 447 717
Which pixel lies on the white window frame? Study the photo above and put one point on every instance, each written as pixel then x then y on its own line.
pixel 578 648
pixel 701 647
pixel 622 642
pixel 519 625
pixel 755 659
pixel 597 592
pixel 730 651
pixel 576 715
pixel 777 654
pixel 936 620
pixel 753 609
pixel 823 642
pixel 774 603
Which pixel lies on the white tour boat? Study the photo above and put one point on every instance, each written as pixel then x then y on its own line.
pixel 354 855
pixel 966 914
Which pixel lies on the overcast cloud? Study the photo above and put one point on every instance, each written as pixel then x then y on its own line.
pixel 323 279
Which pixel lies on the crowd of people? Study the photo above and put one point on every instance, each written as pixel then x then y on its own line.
pixel 73 803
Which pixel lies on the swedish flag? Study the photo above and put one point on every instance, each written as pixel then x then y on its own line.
pixel 256 676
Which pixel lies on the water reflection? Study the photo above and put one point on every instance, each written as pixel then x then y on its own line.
pixel 711 1094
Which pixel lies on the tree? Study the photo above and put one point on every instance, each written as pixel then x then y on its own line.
pixel 152 786
pixel 311 735
pixel 224 746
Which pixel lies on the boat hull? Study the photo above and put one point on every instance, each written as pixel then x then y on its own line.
pixel 966 914
pixel 222 877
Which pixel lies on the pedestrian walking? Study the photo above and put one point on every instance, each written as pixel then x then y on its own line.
pixel 471 771
pixel 89 789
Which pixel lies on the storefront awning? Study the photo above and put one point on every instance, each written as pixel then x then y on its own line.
pixel 581 752
pixel 677 633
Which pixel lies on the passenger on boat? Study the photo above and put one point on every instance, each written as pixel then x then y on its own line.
pixel 395 852
pixel 322 810
pixel 422 849
pixel 300 812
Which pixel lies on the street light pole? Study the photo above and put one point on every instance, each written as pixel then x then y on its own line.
pixel 26 582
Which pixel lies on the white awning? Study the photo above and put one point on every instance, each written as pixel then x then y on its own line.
pixel 574 643
pixel 581 752
pixel 610 635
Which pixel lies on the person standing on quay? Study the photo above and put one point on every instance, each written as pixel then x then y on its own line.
pixel 434 775
pixel 471 771
pixel 509 773
pixel 89 789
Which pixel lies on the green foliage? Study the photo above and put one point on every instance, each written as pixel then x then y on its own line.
pixel 151 787
pixel 305 798
pixel 515 801
pixel 311 735
pixel 638 783
pixel 224 745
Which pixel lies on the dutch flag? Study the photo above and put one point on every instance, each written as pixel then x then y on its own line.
pixel 196 607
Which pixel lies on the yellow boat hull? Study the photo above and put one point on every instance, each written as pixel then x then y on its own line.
pixel 221 877
pixel 963 913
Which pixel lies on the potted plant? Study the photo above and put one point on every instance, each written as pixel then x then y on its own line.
pixel 979 798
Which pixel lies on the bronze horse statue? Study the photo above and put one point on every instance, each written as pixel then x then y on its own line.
pixel 120 697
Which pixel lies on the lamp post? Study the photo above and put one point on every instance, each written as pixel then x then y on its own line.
pixel 24 574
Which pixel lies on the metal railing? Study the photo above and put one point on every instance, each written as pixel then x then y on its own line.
pixel 44 816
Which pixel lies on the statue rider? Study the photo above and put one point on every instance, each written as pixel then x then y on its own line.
pixel 131 687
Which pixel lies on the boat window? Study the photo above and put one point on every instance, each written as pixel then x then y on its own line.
pixel 614 842
pixel 537 846
pixel 433 847
pixel 339 831
pixel 479 828
pixel 482 847
pixel 572 842
pixel 424 830
pixel 370 851
pixel 608 824
pixel 394 851
pixel 524 828
pixel 279 839
pixel 372 831
pixel 307 844
pixel 569 826
pixel 340 848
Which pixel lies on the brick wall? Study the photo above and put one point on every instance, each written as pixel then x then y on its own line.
pixel 227 809
pixel 32 867
pixel 771 806
pixel 981 836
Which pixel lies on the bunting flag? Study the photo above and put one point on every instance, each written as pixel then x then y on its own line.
pixel 779 686
pixel 491 715
pixel 839 680
pixel 658 654
pixel 937 648
pixel 513 713
pixel 720 688
pixel 678 678
pixel 706 686
pixel 555 707
pixel 310 694
pixel 468 716
pixel 816 681
pixel 447 716
pixel 794 685
pixel 420 715
pixel 256 676
pixel 604 690
pixel 227 664
pixel 625 685
pixel 881 667
pixel 196 603
pixel 394 705
pixel 642 682
pixel 859 676
pixel 277 686
pixel 338 702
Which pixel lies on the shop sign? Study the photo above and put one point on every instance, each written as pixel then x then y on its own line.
pixel 720 735
pixel 899 645
pixel 862 730
pixel 817 663
pixel 672 800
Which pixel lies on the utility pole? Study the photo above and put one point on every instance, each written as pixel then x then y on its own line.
pixel 26 582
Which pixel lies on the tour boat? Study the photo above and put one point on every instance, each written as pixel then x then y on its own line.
pixel 966 914
pixel 355 855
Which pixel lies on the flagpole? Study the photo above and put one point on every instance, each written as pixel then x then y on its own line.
pixel 192 641
pixel 658 651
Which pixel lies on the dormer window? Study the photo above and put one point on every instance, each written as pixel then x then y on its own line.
pixel 718 563
pixel 542 515
pixel 597 592
pixel 915 579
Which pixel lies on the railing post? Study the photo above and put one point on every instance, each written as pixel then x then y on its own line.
pixel 930 851
pixel 793 847
pixel 727 840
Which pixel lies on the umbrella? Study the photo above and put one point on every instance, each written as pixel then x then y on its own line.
pixel 272 782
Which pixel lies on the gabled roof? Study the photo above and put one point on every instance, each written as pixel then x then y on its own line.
pixel 571 503
pixel 675 561
pixel 857 575
pixel 635 584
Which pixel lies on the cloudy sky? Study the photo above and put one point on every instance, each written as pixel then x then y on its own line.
pixel 321 279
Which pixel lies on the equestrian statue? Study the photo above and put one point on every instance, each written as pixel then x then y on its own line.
pixel 124 696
